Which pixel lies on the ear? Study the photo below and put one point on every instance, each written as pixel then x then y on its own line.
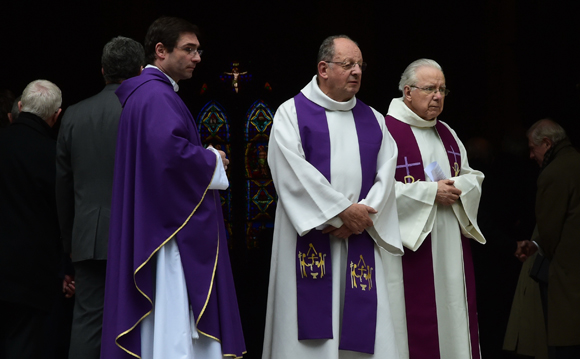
pixel 323 69
pixel 19 106
pixel 547 142
pixel 407 92
pixel 160 50
pixel 52 120
pixel 102 71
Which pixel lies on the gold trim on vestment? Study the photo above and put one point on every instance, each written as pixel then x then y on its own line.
pixel 214 268
pixel 153 253
pixel 235 356
pixel 198 330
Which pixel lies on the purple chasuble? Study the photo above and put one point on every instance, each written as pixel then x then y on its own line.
pixel 160 193
pixel 418 276
pixel 313 263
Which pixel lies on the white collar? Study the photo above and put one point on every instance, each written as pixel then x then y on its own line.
pixel 313 92
pixel 399 110
pixel 173 83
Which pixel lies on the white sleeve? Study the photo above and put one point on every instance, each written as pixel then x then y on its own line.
pixel 469 182
pixel 220 179
pixel 417 211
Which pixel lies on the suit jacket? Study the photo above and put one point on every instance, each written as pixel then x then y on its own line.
pixel 558 219
pixel 84 173
pixel 30 246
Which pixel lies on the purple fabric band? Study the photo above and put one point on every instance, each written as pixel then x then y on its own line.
pixel 451 148
pixel 471 302
pixel 418 277
pixel 314 134
pixel 360 308
pixel 314 286
pixel 359 318
pixel 313 257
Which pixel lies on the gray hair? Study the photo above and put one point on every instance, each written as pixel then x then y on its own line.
pixel 326 51
pixel 122 59
pixel 42 98
pixel 409 76
pixel 546 128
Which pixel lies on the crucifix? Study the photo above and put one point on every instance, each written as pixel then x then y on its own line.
pixel 236 76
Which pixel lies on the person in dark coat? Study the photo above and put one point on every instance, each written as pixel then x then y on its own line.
pixel 84 161
pixel 558 240
pixel 30 246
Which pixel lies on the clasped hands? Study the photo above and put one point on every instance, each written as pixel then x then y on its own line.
pixel 355 220
pixel 447 193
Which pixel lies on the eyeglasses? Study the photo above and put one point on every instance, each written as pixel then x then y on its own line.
pixel 349 65
pixel 191 51
pixel 429 90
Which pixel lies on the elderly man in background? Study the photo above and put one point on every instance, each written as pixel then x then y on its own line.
pixel 558 236
pixel 437 213
pixel 30 245
pixel 85 160
pixel 333 162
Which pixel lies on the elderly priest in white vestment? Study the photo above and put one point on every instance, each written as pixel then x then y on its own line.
pixel 333 164
pixel 437 198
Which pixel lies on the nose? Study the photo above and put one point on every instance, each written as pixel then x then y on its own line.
pixel 356 69
pixel 437 94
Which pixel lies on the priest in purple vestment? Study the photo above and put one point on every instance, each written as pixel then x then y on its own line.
pixel 437 199
pixel 169 290
pixel 333 163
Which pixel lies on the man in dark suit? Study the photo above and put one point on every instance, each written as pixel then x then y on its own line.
pixel 30 245
pixel 558 237
pixel 85 161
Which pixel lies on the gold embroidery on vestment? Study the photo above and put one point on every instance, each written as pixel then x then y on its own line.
pixel 364 276
pixel 313 260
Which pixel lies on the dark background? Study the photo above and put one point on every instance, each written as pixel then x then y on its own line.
pixel 508 63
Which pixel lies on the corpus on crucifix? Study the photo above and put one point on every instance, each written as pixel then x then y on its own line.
pixel 235 75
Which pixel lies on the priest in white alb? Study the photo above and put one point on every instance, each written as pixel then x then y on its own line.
pixel 437 199
pixel 333 163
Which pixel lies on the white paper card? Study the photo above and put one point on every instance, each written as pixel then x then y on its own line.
pixel 435 172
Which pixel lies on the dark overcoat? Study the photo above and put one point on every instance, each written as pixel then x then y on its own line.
pixel 558 220
pixel 30 245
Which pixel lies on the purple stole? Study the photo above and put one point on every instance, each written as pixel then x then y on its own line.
pixel 418 277
pixel 313 257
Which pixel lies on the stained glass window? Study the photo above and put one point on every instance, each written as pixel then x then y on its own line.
pixel 214 129
pixel 260 194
